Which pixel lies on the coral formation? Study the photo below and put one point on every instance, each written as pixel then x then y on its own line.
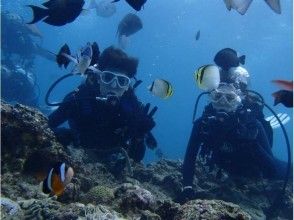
pixel 133 196
pixel 99 195
pixel 9 207
pixel 26 140
pixel 149 194
pixel 211 209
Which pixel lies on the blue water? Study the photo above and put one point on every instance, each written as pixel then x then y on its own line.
pixel 166 48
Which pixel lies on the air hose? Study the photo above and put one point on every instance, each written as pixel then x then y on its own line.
pixel 286 178
pixel 52 87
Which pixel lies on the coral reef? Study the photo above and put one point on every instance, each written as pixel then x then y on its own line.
pixel 9 208
pixel 26 140
pixel 211 209
pixel 134 197
pixel 97 193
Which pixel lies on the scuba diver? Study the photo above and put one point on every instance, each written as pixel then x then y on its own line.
pixel 232 133
pixel 19 85
pixel 104 113
pixel 21 42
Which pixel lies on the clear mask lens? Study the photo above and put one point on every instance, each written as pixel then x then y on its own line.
pixel 225 98
pixel 108 77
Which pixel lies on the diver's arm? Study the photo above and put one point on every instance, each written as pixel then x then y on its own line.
pixel 191 154
pixel 60 115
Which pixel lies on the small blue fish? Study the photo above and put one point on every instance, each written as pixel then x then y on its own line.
pixel 197 37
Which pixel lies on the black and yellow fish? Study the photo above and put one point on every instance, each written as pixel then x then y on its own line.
pixel 161 88
pixel 207 77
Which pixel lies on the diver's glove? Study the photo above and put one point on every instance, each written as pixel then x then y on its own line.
pixel 145 121
pixel 216 127
pixel 150 141
pixel 187 194
pixel 64 135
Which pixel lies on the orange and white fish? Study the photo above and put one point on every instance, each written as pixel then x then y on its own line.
pixel 288 85
pixel 57 179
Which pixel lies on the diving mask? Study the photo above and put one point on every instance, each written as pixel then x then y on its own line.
pixel 226 97
pixel 112 84
pixel 239 75
pixel 108 77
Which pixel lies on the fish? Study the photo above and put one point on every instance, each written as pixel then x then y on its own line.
pixel 161 88
pixel 287 85
pixel 197 36
pixel 104 8
pixel 207 77
pixel 135 4
pixel 241 6
pixel 275 5
pixel 57 12
pixel 227 58
pixel 283 96
pixel 59 176
pixel 128 26
pixel 60 58
pixel 82 59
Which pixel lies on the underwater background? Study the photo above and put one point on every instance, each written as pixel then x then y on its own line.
pixel 166 48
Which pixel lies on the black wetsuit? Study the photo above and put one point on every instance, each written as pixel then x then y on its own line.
pixel 102 125
pixel 238 142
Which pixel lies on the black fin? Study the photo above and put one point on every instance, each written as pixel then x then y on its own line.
pixel 62 60
pixel 39 13
pixel 115 1
pixel 136 4
pixel 137 83
pixel 45 187
pixel 274 5
pixel 96 54
pixel 242 59
pixel 151 87
pixel 50 3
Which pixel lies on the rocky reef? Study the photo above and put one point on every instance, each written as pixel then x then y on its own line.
pixel 29 148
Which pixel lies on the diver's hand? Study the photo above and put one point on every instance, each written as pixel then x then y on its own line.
pixel 145 119
pixel 216 126
pixel 187 194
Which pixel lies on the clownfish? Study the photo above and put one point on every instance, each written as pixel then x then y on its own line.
pixel 57 179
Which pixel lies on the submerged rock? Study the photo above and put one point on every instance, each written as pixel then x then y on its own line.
pixel 211 209
pixel 27 143
pixel 148 194
pixel 10 209
pixel 134 197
